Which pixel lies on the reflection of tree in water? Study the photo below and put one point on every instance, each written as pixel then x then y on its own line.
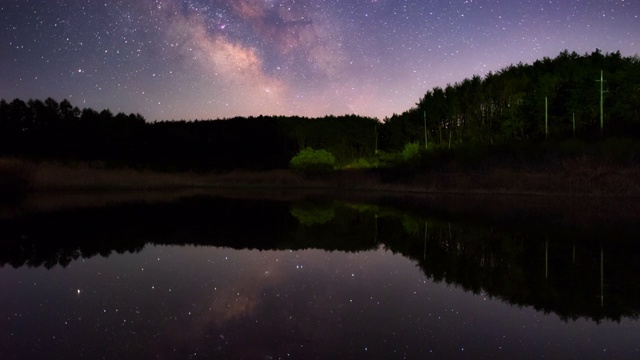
pixel 527 270
pixel 60 237
pixel 347 231
pixel 569 272
pixel 309 214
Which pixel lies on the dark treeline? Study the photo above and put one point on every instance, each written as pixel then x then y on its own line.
pixel 51 130
pixel 503 107
pixel 551 267
pixel 510 104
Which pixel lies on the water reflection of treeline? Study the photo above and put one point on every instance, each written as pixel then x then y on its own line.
pixel 571 271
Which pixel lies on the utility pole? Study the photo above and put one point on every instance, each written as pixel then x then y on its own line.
pixel 601 101
pixel 546 117
pixel 376 131
pixel 426 140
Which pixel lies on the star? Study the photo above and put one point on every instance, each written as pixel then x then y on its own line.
pixel 246 58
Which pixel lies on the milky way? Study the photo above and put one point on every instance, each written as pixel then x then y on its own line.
pixel 199 59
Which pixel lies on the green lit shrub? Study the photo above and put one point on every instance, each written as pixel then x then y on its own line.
pixel 410 151
pixel 309 160
pixel 361 163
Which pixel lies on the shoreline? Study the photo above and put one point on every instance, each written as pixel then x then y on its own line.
pixel 550 195
pixel 579 178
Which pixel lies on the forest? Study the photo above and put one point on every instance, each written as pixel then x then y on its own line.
pixel 509 105
pixel 586 98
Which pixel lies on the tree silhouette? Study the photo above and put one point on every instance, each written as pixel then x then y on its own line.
pixel 503 107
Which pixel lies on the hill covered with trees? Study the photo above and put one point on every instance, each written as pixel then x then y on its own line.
pixel 587 97
pixel 509 105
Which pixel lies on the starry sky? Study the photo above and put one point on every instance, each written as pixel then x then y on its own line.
pixel 207 59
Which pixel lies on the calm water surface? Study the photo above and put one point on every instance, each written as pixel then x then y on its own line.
pixel 207 278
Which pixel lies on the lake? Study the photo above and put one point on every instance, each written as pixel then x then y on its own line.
pixel 316 277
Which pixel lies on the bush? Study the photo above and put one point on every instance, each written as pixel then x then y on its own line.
pixel 385 159
pixel 310 160
pixel 362 163
pixel 410 151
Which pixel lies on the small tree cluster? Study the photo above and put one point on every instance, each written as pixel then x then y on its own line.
pixel 309 160
pixel 410 151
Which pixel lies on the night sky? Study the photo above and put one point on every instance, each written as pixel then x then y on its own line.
pixel 202 59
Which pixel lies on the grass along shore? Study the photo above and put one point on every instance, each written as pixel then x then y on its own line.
pixel 579 176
